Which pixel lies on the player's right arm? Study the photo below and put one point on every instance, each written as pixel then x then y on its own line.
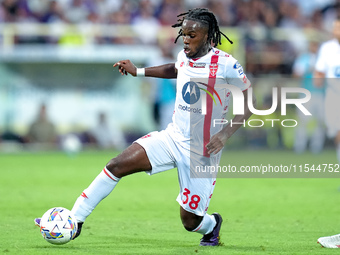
pixel 167 71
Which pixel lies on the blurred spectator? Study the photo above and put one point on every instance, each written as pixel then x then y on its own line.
pixel 270 16
pixel 315 21
pixel 10 136
pixel 2 13
pixel 330 13
pixel 223 12
pixel 54 14
pixel 290 15
pixel 168 11
pixel 103 8
pixel 37 8
pixel 145 25
pixel 309 127
pixel 121 17
pixel 195 3
pixel 24 17
pixel 106 135
pixel 309 7
pixel 9 8
pixel 42 130
pixel 77 12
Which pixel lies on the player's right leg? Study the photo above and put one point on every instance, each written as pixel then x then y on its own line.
pixel 150 153
pixel 131 160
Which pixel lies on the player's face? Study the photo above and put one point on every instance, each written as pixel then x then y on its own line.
pixel 195 39
pixel 336 29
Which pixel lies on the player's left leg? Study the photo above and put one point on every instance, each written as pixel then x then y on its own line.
pixel 196 190
pixel 190 220
pixel 208 225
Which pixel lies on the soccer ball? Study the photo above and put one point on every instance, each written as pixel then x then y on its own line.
pixel 58 225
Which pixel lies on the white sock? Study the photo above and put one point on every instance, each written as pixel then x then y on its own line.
pixel 207 225
pixel 101 186
pixel 338 152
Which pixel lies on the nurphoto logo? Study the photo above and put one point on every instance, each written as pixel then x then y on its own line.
pixel 238 106
pixel 238 100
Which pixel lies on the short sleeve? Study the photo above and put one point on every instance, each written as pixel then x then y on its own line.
pixel 179 60
pixel 234 74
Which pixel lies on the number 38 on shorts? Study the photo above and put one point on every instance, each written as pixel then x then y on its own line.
pixel 193 200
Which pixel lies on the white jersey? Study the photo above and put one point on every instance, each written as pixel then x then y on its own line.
pixel 199 103
pixel 328 62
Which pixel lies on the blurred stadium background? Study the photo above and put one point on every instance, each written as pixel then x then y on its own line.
pixel 56 60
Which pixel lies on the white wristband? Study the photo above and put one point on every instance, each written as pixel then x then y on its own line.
pixel 140 72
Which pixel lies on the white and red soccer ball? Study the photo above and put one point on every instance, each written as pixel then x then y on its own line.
pixel 58 225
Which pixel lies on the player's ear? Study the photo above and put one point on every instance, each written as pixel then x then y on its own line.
pixel 206 39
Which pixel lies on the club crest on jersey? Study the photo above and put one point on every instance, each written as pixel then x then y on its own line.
pixel 191 92
pixel 213 69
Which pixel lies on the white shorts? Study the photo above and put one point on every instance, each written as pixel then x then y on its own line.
pixel 165 152
pixel 332 113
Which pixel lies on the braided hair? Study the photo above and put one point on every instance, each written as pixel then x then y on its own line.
pixel 206 17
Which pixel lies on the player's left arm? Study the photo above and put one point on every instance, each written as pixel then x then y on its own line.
pixel 218 140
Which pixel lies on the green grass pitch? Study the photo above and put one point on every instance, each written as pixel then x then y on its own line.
pixel 141 216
